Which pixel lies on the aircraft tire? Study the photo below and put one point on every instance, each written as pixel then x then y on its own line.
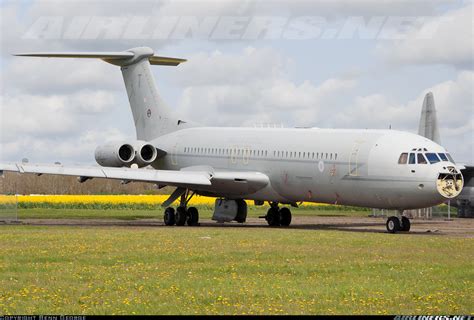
pixel 273 217
pixel 285 217
pixel 393 224
pixel 169 217
pixel 181 216
pixel 193 216
pixel 405 224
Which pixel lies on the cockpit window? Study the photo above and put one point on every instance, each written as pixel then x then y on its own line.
pixel 432 157
pixel 443 157
pixel 411 160
pixel 421 158
pixel 450 158
pixel 403 158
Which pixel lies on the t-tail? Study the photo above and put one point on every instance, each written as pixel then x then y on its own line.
pixel 151 115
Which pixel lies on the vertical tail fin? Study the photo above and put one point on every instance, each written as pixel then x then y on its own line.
pixel 151 116
pixel 428 126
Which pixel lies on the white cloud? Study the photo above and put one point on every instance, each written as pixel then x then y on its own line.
pixel 252 87
pixel 454 100
pixel 447 39
pixel 250 65
pixel 46 149
pixel 38 115
pixel 56 76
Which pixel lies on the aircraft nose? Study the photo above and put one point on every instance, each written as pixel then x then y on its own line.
pixel 450 181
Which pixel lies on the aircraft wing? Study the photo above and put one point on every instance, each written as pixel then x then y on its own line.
pixel 162 177
pixel 198 178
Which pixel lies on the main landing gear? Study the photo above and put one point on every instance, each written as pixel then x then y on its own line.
pixel 395 224
pixel 278 216
pixel 182 215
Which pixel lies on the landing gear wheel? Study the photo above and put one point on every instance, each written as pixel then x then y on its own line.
pixel 169 217
pixel 193 216
pixel 393 224
pixel 285 217
pixel 181 216
pixel 405 224
pixel 273 217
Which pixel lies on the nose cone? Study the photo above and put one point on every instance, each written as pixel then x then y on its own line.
pixel 450 181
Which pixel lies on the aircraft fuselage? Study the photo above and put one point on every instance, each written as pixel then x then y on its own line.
pixel 347 167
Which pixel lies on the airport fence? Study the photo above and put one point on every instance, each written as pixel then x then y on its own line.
pixel 444 211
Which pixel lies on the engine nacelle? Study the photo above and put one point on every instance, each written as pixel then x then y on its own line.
pixel 145 153
pixel 115 155
pixel 122 154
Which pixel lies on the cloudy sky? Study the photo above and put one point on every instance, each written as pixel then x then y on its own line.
pixel 328 64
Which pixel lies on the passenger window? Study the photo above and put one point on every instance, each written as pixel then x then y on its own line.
pixel 443 157
pixel 421 158
pixel 403 158
pixel 411 160
pixel 432 157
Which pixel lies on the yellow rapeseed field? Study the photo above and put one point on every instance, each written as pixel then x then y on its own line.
pixel 109 199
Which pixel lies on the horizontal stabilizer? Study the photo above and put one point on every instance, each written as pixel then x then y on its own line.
pixel 91 55
pixel 165 61
pixel 120 58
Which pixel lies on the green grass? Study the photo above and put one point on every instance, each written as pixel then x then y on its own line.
pixel 208 270
pixel 129 214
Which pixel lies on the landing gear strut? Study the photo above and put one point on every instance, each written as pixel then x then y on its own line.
pixel 395 224
pixel 182 215
pixel 278 216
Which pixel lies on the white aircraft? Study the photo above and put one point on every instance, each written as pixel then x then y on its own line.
pixel 369 168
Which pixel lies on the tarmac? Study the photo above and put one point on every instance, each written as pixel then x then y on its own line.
pixel 442 227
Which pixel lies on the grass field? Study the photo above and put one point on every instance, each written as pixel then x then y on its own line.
pixel 204 270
